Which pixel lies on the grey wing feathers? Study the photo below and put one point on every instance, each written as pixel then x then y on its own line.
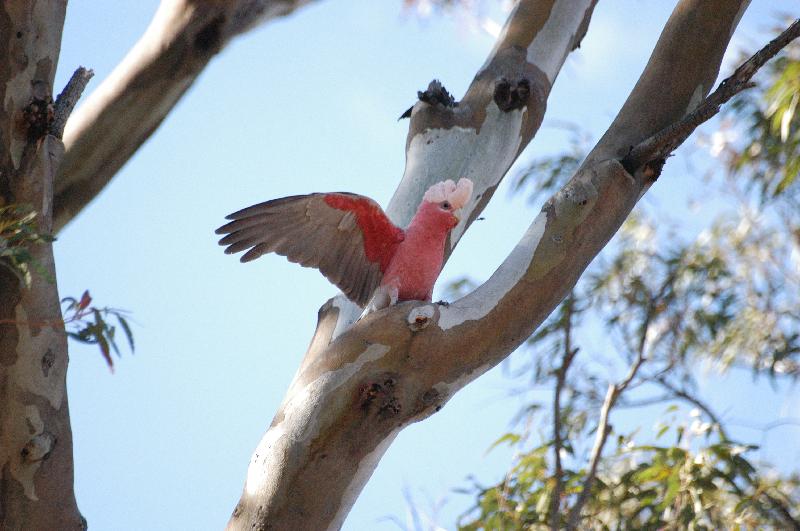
pixel 308 231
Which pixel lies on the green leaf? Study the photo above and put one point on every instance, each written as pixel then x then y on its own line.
pixel 103 344
pixel 510 438
pixel 127 329
pixel 673 487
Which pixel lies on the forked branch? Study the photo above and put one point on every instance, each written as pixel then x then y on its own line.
pixel 664 142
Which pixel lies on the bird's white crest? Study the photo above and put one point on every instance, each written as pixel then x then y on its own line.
pixel 456 194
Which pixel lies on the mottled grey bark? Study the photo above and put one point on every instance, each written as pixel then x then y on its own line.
pixel 36 490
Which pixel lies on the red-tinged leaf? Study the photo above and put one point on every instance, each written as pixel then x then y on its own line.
pixel 86 300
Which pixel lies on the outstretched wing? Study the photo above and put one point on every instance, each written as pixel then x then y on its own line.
pixel 346 236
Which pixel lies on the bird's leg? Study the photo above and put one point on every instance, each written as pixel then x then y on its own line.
pixel 384 296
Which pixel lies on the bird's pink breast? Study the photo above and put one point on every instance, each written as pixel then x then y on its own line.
pixel 414 270
pixel 416 265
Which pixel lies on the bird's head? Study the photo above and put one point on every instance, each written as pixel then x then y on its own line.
pixel 443 201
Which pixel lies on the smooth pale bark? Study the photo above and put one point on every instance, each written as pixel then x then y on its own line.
pixel 353 394
pixel 36 490
pixel 131 103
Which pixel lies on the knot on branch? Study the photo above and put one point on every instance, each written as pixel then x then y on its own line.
pixel 510 95
pixel 38 448
pixel 208 40
pixel 431 399
pixel 435 95
pixel 38 115
pixel 48 360
pixel 652 170
pixel 379 396
pixel 420 317
pixel 650 164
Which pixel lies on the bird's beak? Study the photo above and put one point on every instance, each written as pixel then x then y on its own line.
pixel 457 215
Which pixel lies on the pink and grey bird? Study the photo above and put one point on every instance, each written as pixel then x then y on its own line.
pixel 352 242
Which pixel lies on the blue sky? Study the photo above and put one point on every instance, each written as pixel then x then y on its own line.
pixel 308 103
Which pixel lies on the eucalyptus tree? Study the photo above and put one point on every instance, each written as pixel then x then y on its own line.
pixel 361 382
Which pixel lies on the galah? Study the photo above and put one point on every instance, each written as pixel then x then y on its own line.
pixel 349 238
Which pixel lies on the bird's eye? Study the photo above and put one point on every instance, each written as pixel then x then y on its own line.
pixel 446 205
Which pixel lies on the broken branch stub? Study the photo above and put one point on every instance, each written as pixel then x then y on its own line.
pixel 509 96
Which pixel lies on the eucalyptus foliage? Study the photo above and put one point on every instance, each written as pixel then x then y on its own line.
pixel 670 308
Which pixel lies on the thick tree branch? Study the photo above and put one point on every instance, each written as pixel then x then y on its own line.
pixel 661 144
pixel 577 222
pixel 129 105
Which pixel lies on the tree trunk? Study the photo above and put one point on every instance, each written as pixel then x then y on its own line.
pixel 36 486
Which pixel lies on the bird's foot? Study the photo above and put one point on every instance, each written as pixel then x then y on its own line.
pixel 443 303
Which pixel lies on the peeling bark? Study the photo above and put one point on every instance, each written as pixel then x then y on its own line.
pixel 36 468
pixel 354 392
pixel 131 103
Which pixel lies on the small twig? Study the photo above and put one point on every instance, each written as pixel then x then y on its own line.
pixel 68 98
pixel 645 402
pixel 603 429
pixel 783 510
pixel 699 404
pixel 661 144
pixel 558 443
pixel 769 426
